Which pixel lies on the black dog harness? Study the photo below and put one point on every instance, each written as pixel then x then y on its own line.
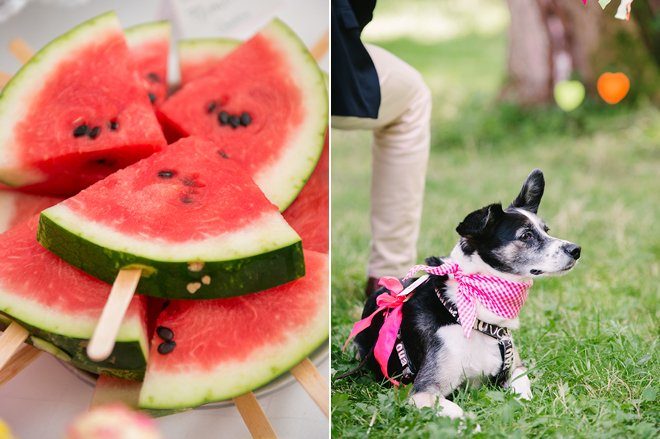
pixel 502 335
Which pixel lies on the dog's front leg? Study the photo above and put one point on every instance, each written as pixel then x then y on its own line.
pixel 430 387
pixel 519 380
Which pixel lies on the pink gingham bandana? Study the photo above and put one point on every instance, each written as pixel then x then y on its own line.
pixel 501 296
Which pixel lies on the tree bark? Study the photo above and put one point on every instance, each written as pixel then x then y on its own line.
pixel 553 40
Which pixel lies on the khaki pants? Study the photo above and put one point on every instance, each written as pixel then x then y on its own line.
pixel 400 148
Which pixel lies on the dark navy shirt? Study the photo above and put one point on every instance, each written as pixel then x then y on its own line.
pixel 355 90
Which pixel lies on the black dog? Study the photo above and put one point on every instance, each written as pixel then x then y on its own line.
pixel 431 350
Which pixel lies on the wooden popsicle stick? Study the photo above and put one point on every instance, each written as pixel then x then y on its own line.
pixel 12 338
pixel 21 50
pixel 254 417
pixel 309 377
pixel 103 340
pixel 320 48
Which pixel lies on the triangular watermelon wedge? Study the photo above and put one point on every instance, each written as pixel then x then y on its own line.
pixel 266 104
pixel 199 56
pixel 189 217
pixel 149 45
pixel 228 347
pixel 61 305
pixel 75 113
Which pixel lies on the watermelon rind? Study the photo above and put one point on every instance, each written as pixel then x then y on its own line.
pixel 283 181
pixel 185 388
pixel 197 49
pixel 67 338
pixel 14 98
pixel 265 254
pixel 140 33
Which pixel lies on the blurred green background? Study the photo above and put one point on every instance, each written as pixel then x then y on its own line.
pixel 590 338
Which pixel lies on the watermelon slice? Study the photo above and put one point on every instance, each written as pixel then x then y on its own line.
pixel 197 57
pixel 75 113
pixel 309 214
pixel 266 104
pixel 227 347
pixel 189 217
pixel 61 305
pixel 16 207
pixel 149 45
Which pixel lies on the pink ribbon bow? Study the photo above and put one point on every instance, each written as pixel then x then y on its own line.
pixel 391 303
pixel 501 296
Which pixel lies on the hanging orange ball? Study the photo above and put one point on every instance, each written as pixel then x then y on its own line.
pixel 613 87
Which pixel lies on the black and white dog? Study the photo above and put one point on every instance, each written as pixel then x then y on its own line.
pixel 431 350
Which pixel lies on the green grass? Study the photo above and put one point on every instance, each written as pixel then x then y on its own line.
pixel 591 337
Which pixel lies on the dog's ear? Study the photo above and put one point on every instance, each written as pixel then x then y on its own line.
pixel 530 195
pixel 480 221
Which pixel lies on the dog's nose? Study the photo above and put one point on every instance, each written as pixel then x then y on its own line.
pixel 573 250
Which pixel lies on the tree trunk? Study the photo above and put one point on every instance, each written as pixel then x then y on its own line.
pixel 554 40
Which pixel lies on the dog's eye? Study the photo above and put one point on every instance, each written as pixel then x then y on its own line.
pixel 526 236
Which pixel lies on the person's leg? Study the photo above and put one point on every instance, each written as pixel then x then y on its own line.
pixel 400 155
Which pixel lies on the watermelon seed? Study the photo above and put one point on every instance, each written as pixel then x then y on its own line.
pixel 165 333
pixel 195 266
pixel 166 304
pixel 80 131
pixel 210 108
pixel 223 118
pixel 152 98
pixel 166 347
pixel 192 287
pixel 234 121
pixel 223 154
pixel 113 125
pixel 105 162
pixel 186 199
pixel 94 132
pixel 246 119
pixel 166 173
pixel 206 280
pixel 153 77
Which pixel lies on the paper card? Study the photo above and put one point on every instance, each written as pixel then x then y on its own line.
pixel 238 19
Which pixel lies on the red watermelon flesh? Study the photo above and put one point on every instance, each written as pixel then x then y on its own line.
pixel 309 214
pixel 188 192
pixel 198 57
pixel 16 207
pixel 61 304
pixel 227 347
pixel 275 82
pixel 149 45
pixel 82 82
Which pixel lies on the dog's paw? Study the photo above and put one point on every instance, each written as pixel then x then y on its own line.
pixel 450 409
pixel 520 385
pixel 423 399
pixel 445 406
pixel 522 389
pixel 523 394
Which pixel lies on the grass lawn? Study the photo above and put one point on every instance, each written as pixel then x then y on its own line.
pixel 590 338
